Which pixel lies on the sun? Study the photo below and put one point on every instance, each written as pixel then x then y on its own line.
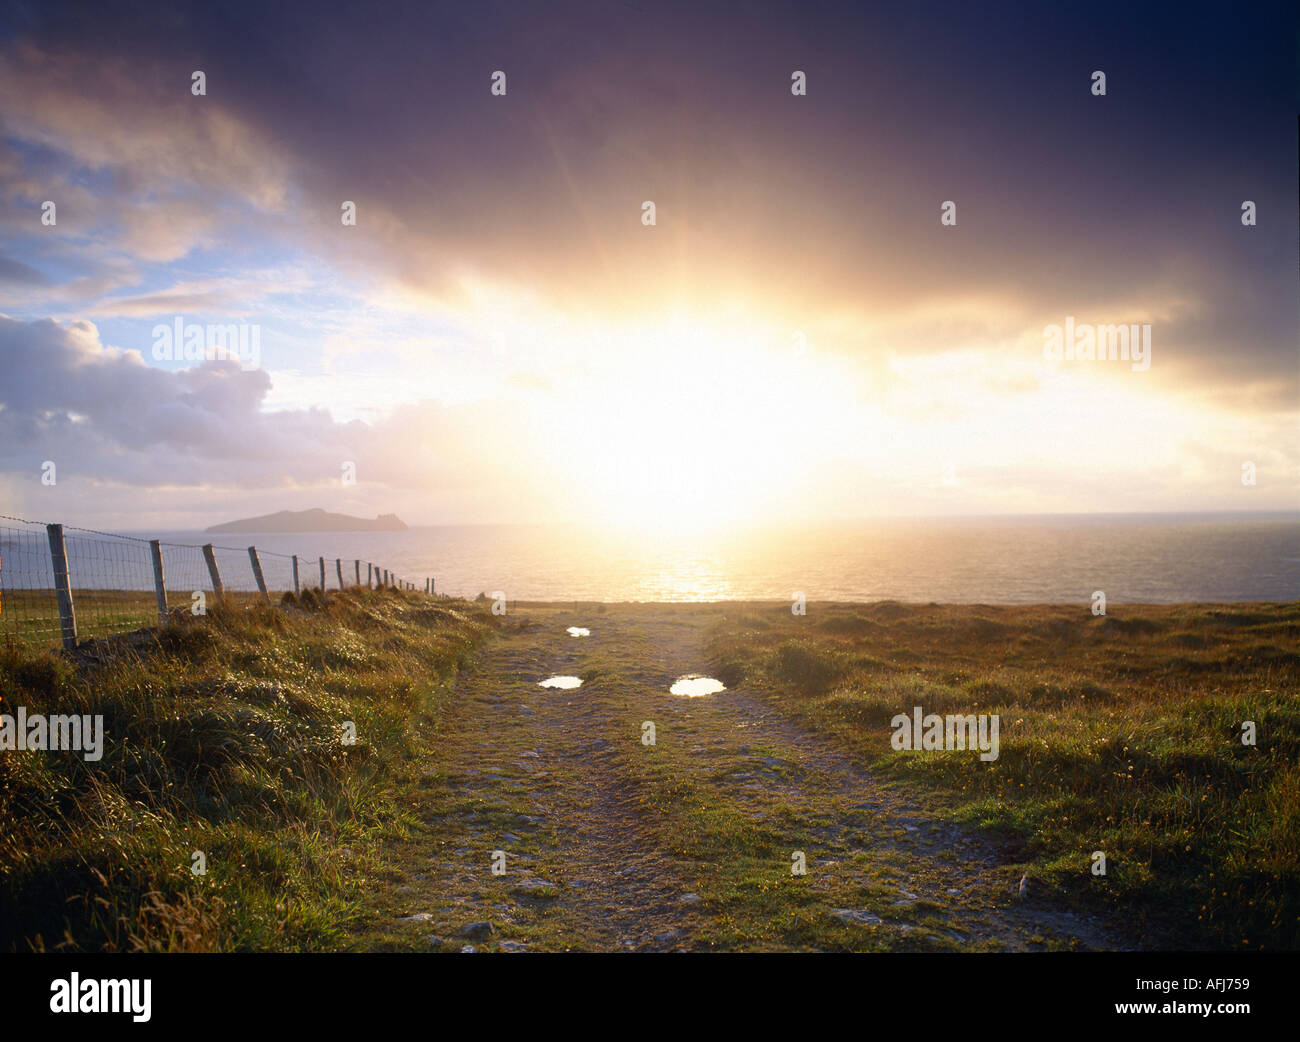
pixel 690 423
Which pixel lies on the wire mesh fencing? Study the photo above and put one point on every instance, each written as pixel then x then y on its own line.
pixel 29 608
pixel 185 576
pixel 110 581
pixel 277 570
pixel 60 584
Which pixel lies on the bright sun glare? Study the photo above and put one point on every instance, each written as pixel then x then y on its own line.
pixel 690 426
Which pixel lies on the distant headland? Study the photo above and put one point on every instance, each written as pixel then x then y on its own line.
pixel 314 520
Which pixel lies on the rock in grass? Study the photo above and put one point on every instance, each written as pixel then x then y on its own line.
pixel 534 888
pixel 476 931
pixel 418 917
pixel 856 915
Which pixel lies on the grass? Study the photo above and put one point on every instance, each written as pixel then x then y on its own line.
pixel 32 616
pixel 1119 734
pixel 223 735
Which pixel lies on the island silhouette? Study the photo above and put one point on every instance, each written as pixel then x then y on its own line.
pixel 313 520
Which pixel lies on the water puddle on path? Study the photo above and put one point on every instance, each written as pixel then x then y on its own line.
pixel 565 683
pixel 579 631
pixel 692 686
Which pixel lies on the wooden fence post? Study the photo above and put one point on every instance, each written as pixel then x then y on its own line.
pixel 296 588
pixel 210 556
pixel 338 566
pixel 257 572
pixel 322 575
pixel 63 586
pixel 358 564
pixel 370 575
pixel 159 587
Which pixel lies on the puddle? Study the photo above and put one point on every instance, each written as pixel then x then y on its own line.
pixel 693 686
pixel 566 683
pixel 579 631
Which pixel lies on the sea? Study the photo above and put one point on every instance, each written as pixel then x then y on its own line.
pixel 1135 558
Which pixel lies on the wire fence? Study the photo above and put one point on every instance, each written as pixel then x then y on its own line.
pixel 60 584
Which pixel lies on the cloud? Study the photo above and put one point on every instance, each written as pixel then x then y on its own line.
pixel 499 256
pixel 108 420
pixel 810 208
pixel 15 271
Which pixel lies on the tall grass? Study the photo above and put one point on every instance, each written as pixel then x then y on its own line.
pixel 223 736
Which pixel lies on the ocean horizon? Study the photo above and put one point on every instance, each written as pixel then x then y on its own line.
pixel 1002 559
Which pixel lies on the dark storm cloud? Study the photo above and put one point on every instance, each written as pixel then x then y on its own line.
pixel 1070 203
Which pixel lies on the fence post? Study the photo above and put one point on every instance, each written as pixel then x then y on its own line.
pixel 358 564
pixel 296 588
pixel 338 566
pixel 257 572
pixel 433 587
pixel 370 575
pixel 63 586
pixel 322 575
pixel 214 574
pixel 159 588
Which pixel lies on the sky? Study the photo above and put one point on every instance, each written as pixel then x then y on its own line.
pixel 502 336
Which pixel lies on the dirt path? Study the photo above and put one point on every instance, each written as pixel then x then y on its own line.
pixel 613 844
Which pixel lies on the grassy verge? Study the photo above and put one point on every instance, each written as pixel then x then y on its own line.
pixel 1120 734
pixel 223 735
